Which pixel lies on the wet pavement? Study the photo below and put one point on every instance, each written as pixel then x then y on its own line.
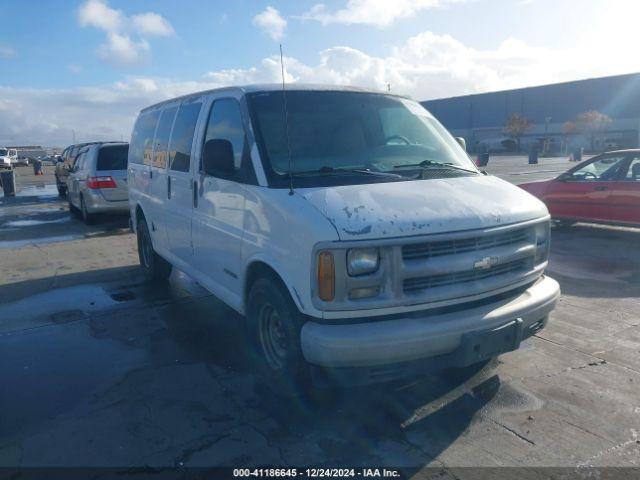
pixel 99 368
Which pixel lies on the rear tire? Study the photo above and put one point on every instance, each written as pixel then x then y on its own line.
pixel 87 217
pixel 73 210
pixel 154 267
pixel 275 324
pixel 62 190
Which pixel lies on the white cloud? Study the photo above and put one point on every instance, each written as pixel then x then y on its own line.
pixel 7 52
pixel 126 37
pixel 151 24
pixel 98 14
pixel 424 66
pixel 122 50
pixel 379 13
pixel 271 22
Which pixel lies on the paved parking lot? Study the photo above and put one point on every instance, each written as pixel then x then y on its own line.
pixel 97 368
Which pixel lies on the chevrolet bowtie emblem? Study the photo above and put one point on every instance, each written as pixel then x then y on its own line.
pixel 485 263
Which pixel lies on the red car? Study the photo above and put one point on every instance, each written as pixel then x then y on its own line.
pixel 604 189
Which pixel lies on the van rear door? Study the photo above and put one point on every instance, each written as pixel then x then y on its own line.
pixel 112 162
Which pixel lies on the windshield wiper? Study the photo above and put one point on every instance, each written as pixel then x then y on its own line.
pixel 339 170
pixel 431 163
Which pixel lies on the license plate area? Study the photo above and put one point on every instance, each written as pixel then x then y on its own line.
pixel 478 346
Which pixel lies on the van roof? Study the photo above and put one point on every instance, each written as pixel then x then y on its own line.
pixel 272 87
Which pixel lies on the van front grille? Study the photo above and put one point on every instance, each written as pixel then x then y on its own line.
pixel 462 245
pixel 413 285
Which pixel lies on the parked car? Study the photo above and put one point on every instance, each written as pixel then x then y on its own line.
pixel 604 189
pixel 61 173
pixel 23 160
pixel 355 234
pixel 97 181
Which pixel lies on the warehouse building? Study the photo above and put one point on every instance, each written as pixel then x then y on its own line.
pixel 480 119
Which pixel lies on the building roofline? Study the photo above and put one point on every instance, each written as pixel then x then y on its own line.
pixel 532 87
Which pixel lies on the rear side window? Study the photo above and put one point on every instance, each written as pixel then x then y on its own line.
pixel 162 137
pixel 113 157
pixel 182 136
pixel 142 138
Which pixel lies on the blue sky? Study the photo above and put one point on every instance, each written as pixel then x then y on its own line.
pixel 89 65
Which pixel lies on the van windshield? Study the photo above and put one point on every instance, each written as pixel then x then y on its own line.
pixel 338 131
pixel 3 152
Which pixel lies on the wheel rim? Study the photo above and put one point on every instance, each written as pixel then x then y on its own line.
pixel 272 337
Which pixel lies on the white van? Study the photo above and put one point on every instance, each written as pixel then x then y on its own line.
pixel 348 226
pixel 8 157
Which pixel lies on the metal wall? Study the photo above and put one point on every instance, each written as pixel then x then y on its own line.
pixel 549 106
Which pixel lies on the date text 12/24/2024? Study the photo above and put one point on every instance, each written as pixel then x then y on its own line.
pixel 316 473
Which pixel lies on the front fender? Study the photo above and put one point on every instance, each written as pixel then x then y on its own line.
pixel 280 270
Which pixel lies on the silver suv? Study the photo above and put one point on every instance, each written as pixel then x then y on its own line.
pixel 97 180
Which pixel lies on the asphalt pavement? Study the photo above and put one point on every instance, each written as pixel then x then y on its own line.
pixel 99 368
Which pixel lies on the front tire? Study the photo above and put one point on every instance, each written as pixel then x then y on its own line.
pixel 274 330
pixel 154 267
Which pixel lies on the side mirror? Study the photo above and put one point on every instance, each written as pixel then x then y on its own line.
pixel 462 142
pixel 217 157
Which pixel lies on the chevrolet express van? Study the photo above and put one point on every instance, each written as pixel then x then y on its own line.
pixel 350 229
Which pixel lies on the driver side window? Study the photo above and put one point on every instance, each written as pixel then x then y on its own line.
pixel 604 169
pixel 633 172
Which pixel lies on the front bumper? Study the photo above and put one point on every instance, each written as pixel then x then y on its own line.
pixel 386 342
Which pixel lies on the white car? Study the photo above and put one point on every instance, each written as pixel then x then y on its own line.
pixel 349 228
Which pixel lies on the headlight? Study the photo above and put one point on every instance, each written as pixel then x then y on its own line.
pixel 542 233
pixel 361 261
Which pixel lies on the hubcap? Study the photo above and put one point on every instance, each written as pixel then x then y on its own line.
pixel 272 337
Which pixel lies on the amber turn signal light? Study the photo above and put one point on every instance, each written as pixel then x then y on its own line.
pixel 326 277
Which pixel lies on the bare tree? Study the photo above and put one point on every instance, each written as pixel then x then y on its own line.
pixel 592 123
pixel 516 127
pixel 569 128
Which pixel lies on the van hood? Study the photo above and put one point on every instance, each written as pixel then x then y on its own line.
pixel 422 207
